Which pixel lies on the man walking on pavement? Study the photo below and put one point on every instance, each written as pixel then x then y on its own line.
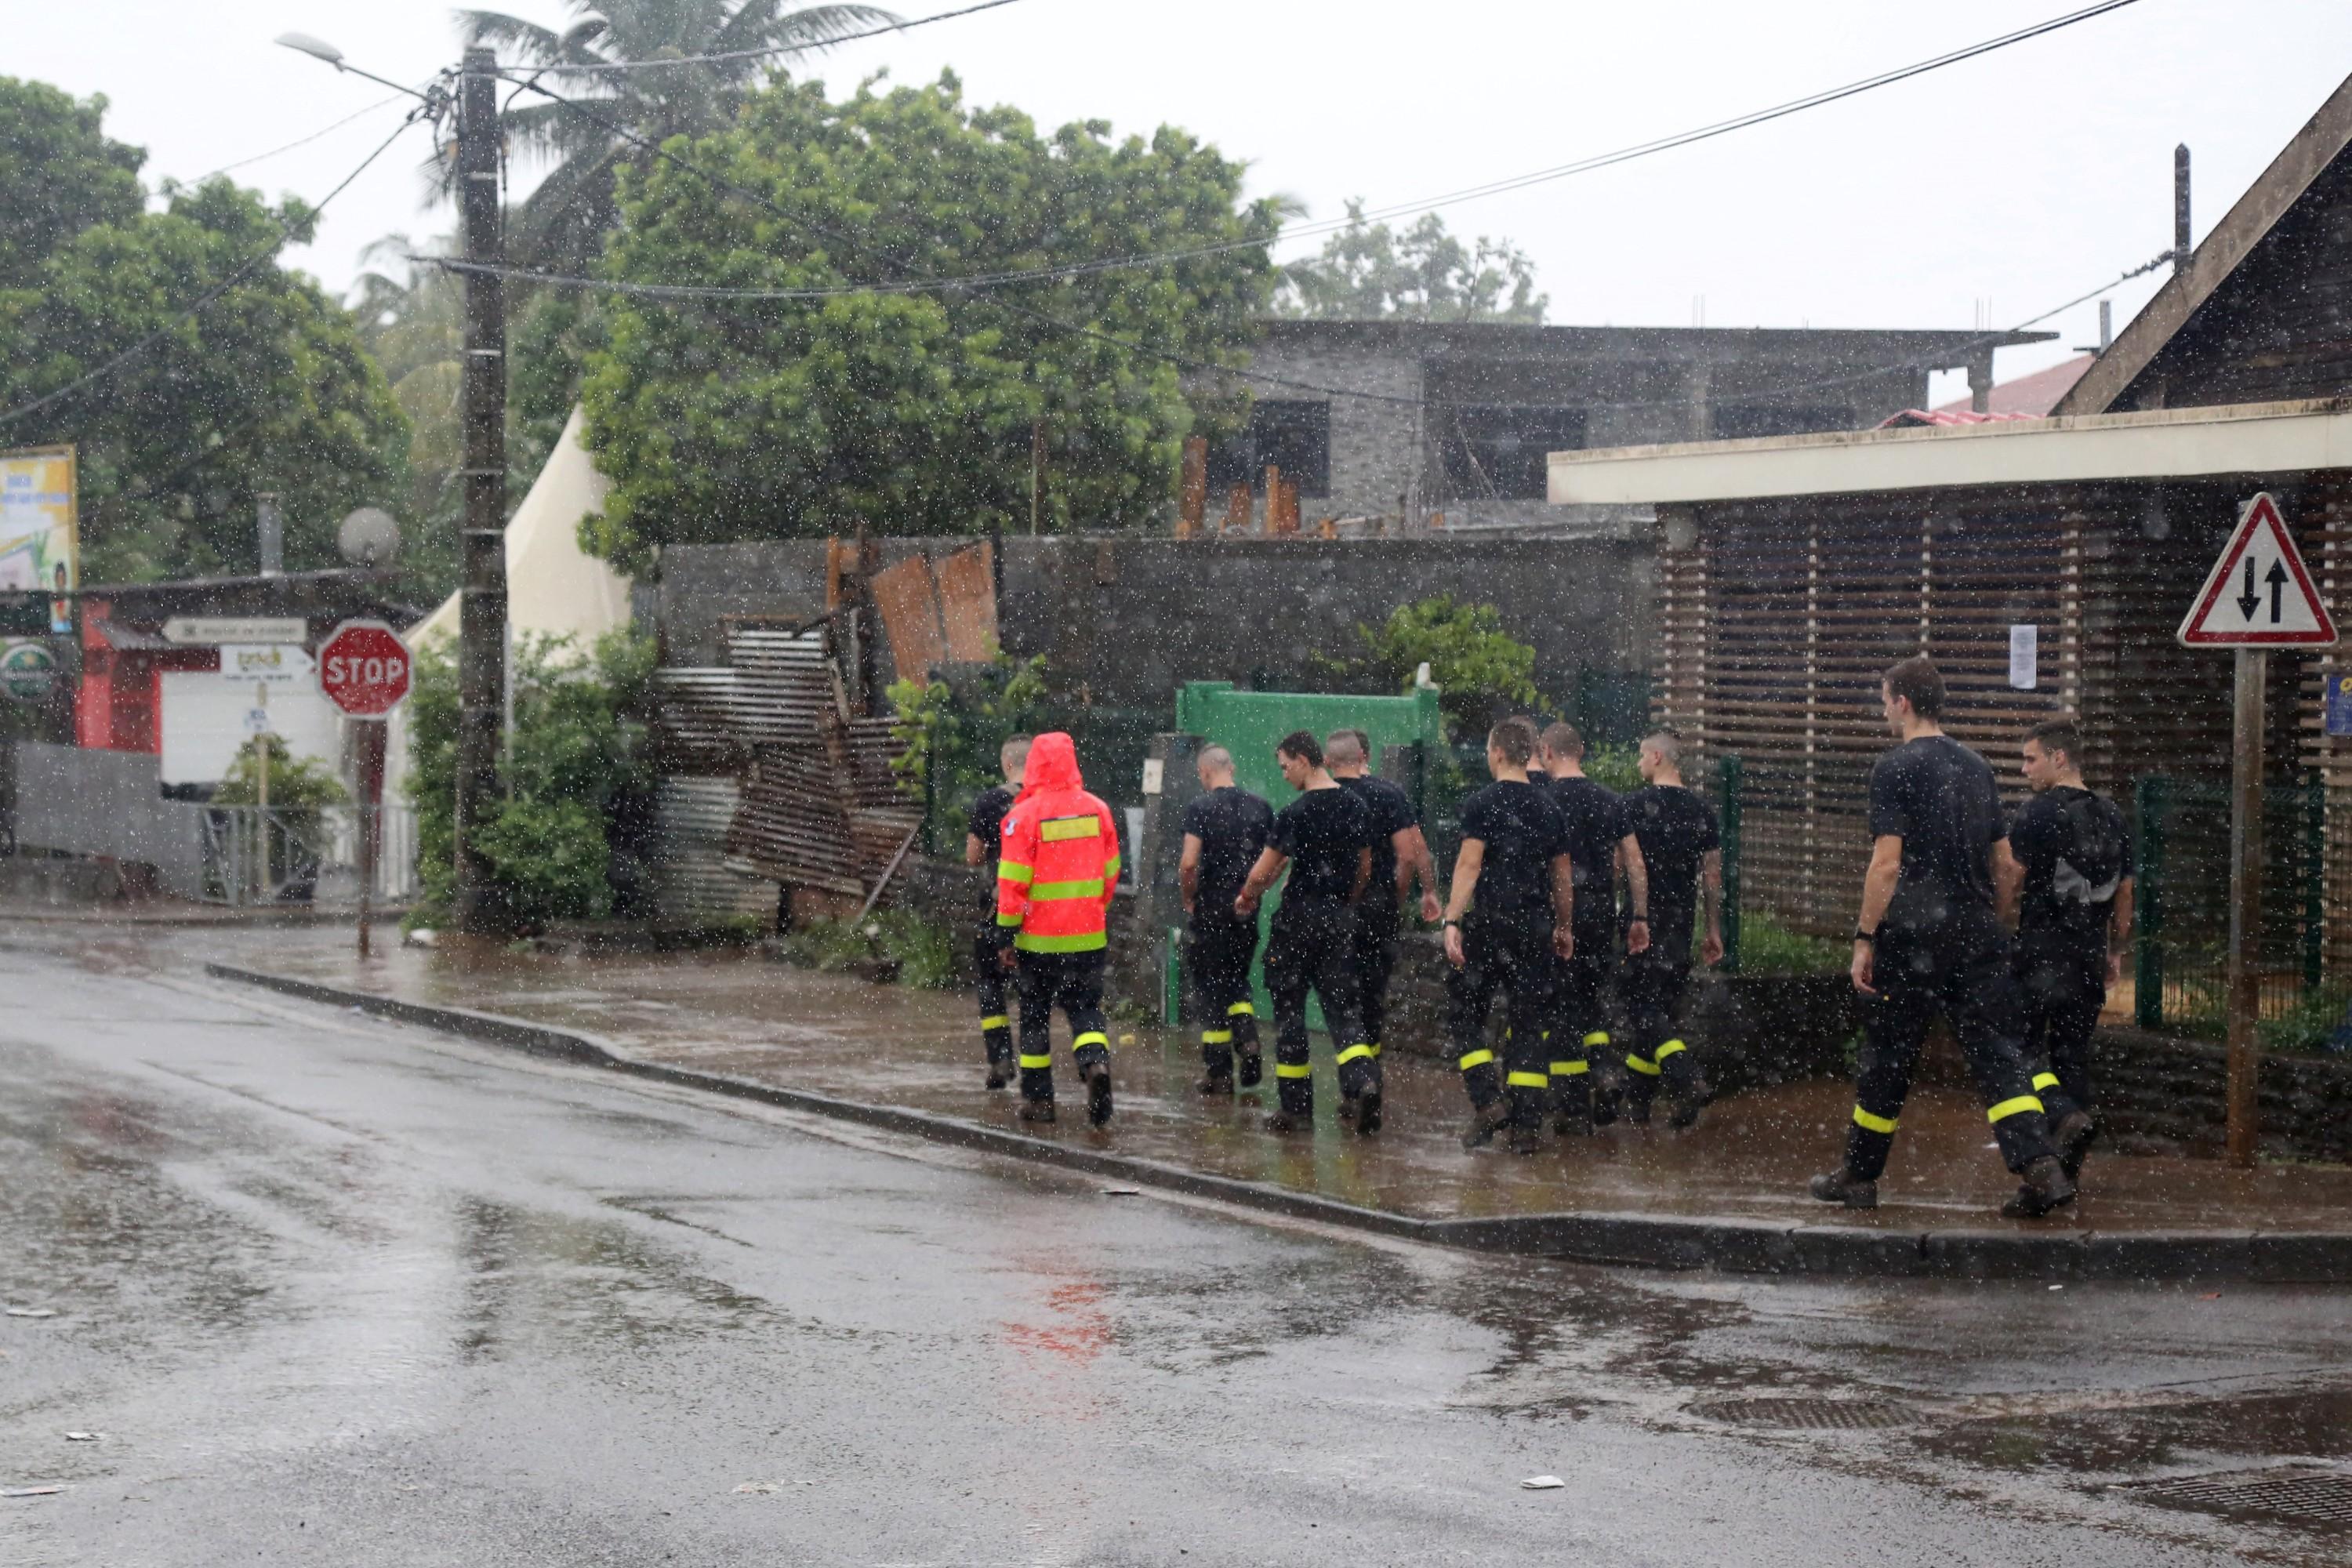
pixel 1224 831
pixel 2073 926
pixel 1053 904
pixel 1928 940
pixel 983 844
pixel 1682 848
pixel 1599 833
pixel 1400 859
pixel 1508 922
pixel 1324 837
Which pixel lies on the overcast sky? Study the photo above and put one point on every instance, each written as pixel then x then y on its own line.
pixel 2006 183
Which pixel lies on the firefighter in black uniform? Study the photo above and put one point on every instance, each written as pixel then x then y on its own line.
pixel 1224 830
pixel 2073 926
pixel 983 844
pixel 1324 837
pixel 1508 923
pixel 1599 834
pixel 1400 859
pixel 1928 941
pixel 1682 849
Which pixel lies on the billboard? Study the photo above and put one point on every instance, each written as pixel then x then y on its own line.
pixel 41 539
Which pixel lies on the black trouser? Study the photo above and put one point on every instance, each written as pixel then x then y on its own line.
pixel 1512 954
pixel 993 984
pixel 2062 995
pixel 1074 983
pixel 1655 981
pixel 1376 926
pixel 1964 973
pixel 1579 1030
pixel 1312 946
pixel 1220 954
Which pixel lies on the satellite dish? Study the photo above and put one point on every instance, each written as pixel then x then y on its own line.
pixel 369 537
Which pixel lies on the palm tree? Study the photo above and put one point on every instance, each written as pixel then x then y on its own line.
pixel 560 226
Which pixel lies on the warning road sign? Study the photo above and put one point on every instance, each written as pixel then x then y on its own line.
pixel 2258 594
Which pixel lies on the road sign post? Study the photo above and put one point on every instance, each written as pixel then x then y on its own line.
pixel 2258 596
pixel 365 669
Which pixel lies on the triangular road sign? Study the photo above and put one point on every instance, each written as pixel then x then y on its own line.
pixel 2259 593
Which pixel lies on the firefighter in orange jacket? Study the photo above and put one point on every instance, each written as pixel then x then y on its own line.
pixel 1052 900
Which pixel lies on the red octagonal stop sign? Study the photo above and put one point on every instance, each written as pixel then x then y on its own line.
pixel 364 669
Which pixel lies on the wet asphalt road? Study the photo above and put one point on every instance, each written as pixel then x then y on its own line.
pixel 335 1291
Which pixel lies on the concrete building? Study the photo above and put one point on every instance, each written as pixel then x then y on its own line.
pixel 1400 420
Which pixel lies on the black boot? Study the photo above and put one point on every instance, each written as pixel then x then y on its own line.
pixel 1098 1094
pixel 1842 1186
pixel 2074 1136
pixel 1036 1111
pixel 2045 1188
pixel 1252 1070
pixel 1485 1122
pixel 1216 1082
pixel 1367 1113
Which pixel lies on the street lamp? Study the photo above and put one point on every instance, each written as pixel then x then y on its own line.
pixel 316 48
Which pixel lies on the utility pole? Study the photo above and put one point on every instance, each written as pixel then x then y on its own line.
pixel 2181 208
pixel 482 598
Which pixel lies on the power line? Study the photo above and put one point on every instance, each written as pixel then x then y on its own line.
pixel 602 68
pixel 195 308
pixel 304 142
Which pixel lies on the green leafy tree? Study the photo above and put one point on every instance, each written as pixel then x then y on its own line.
pixel 954 731
pixel 561 225
pixel 911 411
pixel 411 318
pixel 266 388
pixel 1368 271
pixel 294 783
pixel 61 175
pixel 1481 670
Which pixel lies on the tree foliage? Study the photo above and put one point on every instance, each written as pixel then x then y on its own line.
pixel 1368 272
pixel 1480 670
pixel 266 388
pixel 912 412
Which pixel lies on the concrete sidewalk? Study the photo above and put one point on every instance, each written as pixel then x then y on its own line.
pixel 1731 1190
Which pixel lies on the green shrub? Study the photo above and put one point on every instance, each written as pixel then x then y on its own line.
pixel 1480 670
pixel 924 953
pixel 549 859
pixel 1767 947
pixel 296 785
pixel 1618 767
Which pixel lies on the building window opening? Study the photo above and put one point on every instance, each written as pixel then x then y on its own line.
pixel 1295 436
pixel 1500 452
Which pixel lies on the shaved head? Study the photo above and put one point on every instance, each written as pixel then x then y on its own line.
pixel 1213 765
pixel 1343 750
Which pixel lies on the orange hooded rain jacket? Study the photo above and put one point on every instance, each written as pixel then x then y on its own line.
pixel 1061 857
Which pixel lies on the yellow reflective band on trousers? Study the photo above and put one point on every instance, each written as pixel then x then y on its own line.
pixel 1646 1069
pixel 1284 1069
pixel 1569 1070
pixel 2009 1107
pixel 1597 1037
pixel 2045 1081
pixel 1014 872
pixel 1083 941
pixel 1353 1052
pixel 1669 1048
pixel 1091 1038
pixel 1527 1081
pixel 1375 1048
pixel 1241 1010
pixel 1476 1059
pixel 999 1022
pixel 1217 1037
pixel 1054 829
pixel 1037 1064
pixel 1865 1119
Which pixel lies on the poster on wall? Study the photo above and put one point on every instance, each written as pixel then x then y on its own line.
pixel 40 539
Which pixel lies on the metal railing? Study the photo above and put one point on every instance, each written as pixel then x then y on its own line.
pixel 264 854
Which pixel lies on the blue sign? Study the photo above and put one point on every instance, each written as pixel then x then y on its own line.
pixel 2340 703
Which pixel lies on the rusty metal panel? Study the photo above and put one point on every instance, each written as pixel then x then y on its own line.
pixel 910 617
pixel 968 604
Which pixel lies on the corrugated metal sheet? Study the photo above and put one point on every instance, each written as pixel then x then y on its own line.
pixel 692 881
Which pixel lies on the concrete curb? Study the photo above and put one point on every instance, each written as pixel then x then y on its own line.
pixel 1652 1241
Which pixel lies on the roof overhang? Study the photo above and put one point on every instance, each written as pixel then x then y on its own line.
pixel 2170 443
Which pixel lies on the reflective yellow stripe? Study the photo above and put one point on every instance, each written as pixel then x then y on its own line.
pixel 1865 1119
pixel 1476 1059
pixel 2009 1107
pixel 1110 868
pixel 1649 1069
pixel 1053 830
pixel 1376 1050
pixel 1669 1048
pixel 1004 920
pixel 1046 892
pixel 1352 1052
pixel 1284 1069
pixel 1217 1037
pixel 1037 1063
pixel 1084 942
pixel 1241 1010
pixel 1527 1081
pixel 2045 1081
pixel 1013 871
pixel 1091 1038
pixel 1569 1070
pixel 1597 1037
pixel 998 1022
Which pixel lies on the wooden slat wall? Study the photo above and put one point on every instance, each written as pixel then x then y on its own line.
pixel 2325 533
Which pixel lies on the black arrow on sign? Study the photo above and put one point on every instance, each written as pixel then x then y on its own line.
pixel 2250 598
pixel 2277 580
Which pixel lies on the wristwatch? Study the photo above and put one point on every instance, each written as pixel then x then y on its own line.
pixel 1869 936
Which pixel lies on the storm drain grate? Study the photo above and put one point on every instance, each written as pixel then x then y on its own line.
pixel 2305 1497
pixel 1811 1415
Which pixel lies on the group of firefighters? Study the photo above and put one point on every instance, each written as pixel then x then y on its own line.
pixel 1580 907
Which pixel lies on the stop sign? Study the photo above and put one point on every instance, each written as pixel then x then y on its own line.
pixel 364 669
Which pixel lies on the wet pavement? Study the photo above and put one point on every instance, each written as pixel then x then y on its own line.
pixel 333 1291
pixel 737 1014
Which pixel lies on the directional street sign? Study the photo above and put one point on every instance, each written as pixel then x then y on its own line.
pixel 279 664
pixel 2259 593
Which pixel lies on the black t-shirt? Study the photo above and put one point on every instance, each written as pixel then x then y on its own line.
pixel 1322 831
pixel 1232 826
pixel 987 823
pixel 1523 833
pixel 1942 800
pixel 1389 810
pixel 2077 849
pixel 1595 816
pixel 1676 830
